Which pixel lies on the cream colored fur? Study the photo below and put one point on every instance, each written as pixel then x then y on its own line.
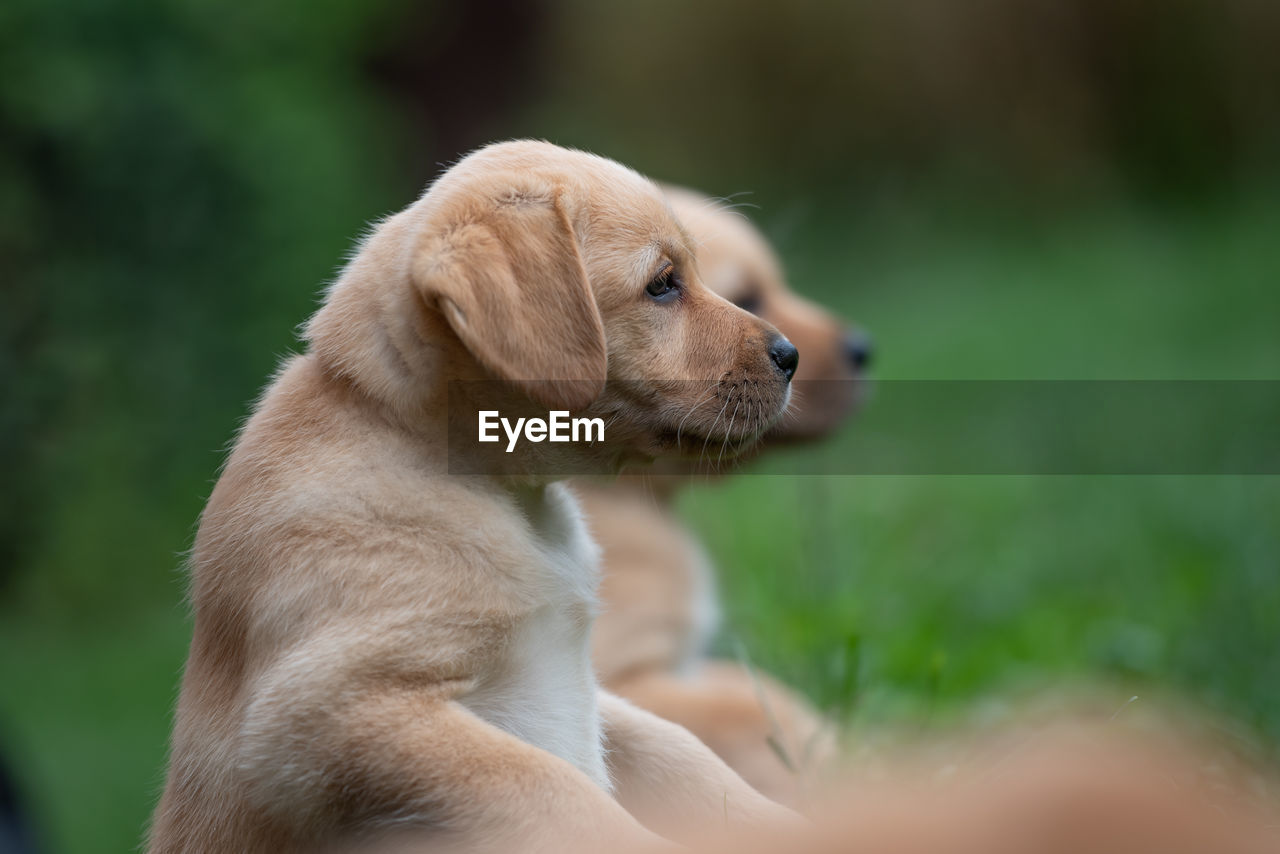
pixel 383 647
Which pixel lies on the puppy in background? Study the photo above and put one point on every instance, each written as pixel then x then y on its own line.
pixel 660 611
pixel 382 647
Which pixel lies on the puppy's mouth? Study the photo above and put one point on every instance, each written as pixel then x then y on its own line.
pixel 727 423
pixel 691 445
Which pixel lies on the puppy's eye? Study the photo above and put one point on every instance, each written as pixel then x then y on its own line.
pixel 665 287
pixel 749 302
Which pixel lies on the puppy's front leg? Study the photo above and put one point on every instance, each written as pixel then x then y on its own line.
pixel 765 731
pixel 672 782
pixel 380 757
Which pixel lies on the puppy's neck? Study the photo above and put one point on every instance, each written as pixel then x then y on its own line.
pixel 654 484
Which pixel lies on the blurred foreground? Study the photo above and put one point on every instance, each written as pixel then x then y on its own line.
pixel 1054 786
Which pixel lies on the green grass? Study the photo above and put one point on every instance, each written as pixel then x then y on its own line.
pixel 954 589
pixel 890 597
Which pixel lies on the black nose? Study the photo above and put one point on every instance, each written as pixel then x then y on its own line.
pixel 858 350
pixel 785 356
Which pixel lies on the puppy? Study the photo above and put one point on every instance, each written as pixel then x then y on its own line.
pixel 650 641
pixel 381 646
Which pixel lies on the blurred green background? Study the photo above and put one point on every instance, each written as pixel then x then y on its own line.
pixel 998 189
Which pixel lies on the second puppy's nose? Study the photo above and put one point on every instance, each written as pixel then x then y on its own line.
pixel 858 350
pixel 785 356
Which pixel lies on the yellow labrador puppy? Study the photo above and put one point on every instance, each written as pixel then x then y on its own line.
pixel 649 643
pixel 382 645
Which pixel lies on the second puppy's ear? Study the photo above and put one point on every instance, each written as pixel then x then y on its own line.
pixel 512 285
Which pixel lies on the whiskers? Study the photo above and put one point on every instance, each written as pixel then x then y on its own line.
pixel 679 428
pixel 748 415
pixel 728 203
pixel 728 398
pixel 726 416
pixel 791 412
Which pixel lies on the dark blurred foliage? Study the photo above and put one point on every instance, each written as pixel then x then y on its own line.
pixel 16 836
pixel 1028 95
pixel 179 177
pixel 458 73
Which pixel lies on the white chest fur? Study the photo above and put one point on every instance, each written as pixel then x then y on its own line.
pixel 543 690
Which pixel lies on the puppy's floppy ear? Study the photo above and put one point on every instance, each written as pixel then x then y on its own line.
pixel 512 285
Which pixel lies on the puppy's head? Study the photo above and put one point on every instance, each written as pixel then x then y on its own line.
pixel 738 264
pixel 568 277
